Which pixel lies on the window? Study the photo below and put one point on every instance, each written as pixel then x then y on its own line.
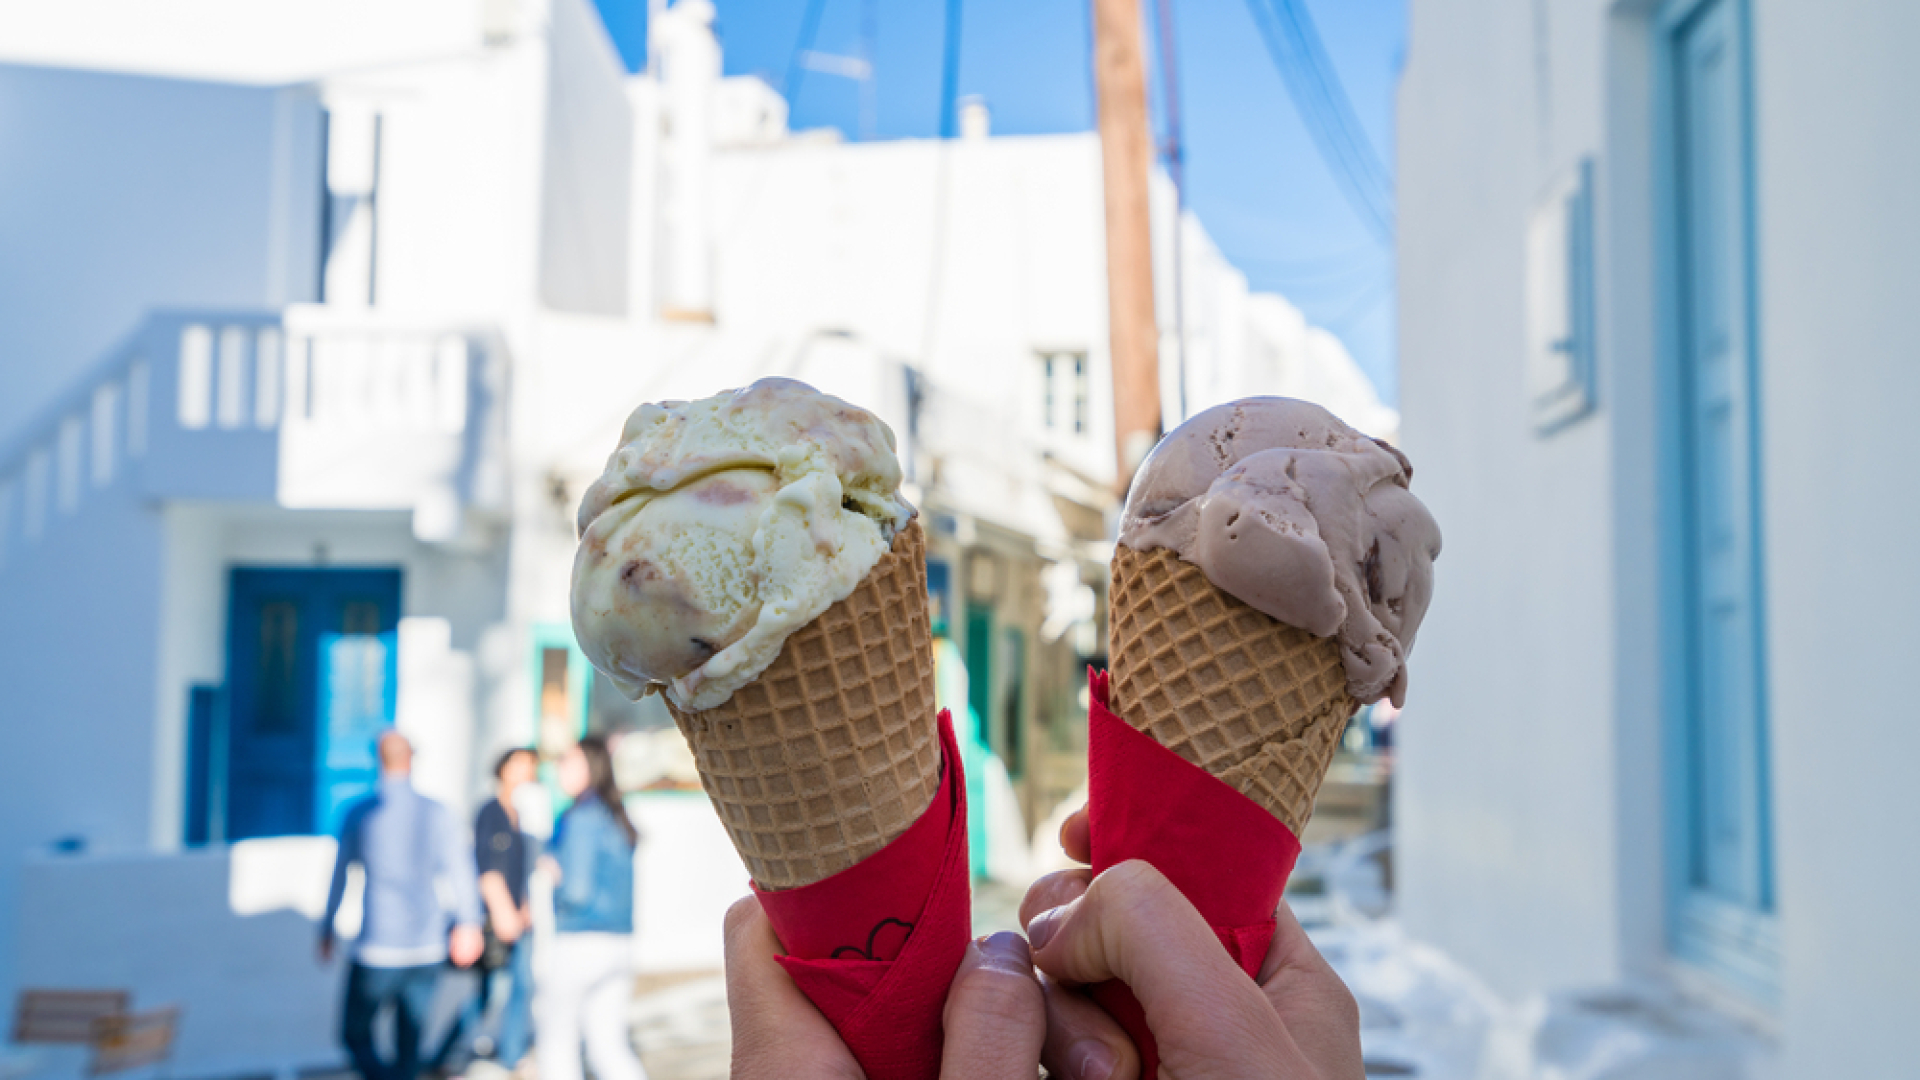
pixel 555 689
pixel 1012 743
pixel 561 689
pixel 1049 390
pixel 1080 394
pixel 349 204
pixel 276 706
pixel 360 651
pixel 1064 392
pixel 1723 896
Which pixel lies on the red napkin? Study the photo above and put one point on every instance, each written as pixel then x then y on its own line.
pixel 1223 850
pixel 875 946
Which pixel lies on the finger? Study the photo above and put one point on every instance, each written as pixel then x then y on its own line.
pixel 1292 951
pixel 774 1025
pixel 1129 921
pixel 1133 925
pixel 1083 1042
pixel 1312 1001
pixel 1075 837
pixel 1051 891
pixel 995 1017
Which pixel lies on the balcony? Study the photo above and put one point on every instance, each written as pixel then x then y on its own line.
pixel 303 408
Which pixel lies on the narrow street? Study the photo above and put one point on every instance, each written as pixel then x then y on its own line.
pixel 680 1019
pixel 680 1026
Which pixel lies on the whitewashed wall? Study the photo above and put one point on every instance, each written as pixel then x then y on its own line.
pixel 964 258
pixel 1528 808
pixel 227 935
pixel 79 667
pixel 1838 234
pixel 120 193
pixel 1507 805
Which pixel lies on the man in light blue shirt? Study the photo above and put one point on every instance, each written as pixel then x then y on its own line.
pixel 419 878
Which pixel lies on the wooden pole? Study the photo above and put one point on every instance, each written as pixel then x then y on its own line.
pixel 1126 155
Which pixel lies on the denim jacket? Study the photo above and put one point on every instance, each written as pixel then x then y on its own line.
pixel 596 871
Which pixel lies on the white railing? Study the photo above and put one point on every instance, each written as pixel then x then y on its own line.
pixel 91 432
pixel 235 376
pixel 216 405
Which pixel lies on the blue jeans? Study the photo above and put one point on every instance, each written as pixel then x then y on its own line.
pixel 369 989
pixel 516 1023
pixel 501 1009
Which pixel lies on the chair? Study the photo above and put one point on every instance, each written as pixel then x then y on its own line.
pixel 64 1016
pixel 127 1040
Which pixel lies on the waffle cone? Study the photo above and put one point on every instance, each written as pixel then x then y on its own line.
pixel 833 751
pixel 1253 701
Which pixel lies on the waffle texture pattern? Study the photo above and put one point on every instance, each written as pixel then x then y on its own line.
pixel 834 750
pixel 1255 702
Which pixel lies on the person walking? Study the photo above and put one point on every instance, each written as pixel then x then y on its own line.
pixel 408 847
pixel 497 1021
pixel 586 981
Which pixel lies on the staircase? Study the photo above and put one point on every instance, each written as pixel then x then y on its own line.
pixel 306 407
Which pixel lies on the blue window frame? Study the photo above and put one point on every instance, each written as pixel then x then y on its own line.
pixel 1722 911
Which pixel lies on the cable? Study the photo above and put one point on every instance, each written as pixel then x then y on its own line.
pixel 1334 278
pixel 1323 105
pixel 1318 265
pixel 1175 152
pixel 1328 115
pixel 1368 298
pixel 869 86
pixel 809 26
pixel 942 181
pixel 1330 110
pixel 950 74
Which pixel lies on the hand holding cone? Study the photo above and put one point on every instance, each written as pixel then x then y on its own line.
pixel 749 556
pixel 1272 569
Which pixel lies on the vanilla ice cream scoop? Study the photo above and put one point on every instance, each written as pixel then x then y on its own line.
pixel 1299 516
pixel 723 525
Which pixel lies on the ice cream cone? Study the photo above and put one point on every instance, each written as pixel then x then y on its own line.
pixel 833 751
pixel 1255 702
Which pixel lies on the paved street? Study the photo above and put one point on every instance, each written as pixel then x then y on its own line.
pixel 680 1020
pixel 681 1027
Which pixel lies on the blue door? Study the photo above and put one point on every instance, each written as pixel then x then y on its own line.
pixel 1723 918
pixel 312 670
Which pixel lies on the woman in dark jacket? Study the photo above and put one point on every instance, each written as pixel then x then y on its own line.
pixel 586 982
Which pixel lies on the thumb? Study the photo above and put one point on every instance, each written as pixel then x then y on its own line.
pixel 995 1018
pixel 1132 924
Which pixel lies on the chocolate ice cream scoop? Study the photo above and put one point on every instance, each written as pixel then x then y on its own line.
pixel 1299 516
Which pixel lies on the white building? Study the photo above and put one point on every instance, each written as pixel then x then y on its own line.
pixel 1657 262
pixel 315 318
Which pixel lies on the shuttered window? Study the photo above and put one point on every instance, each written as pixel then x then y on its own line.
pixel 1723 895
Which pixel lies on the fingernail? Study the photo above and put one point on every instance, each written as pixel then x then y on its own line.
pixel 1090 1059
pixel 1045 924
pixel 1006 951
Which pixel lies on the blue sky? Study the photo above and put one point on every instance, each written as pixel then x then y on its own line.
pixel 1253 175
